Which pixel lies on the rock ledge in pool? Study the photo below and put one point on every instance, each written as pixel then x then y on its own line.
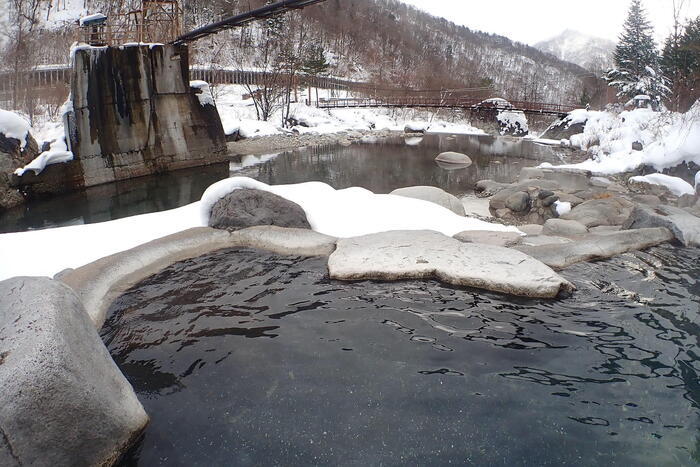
pixel 245 208
pixel 454 158
pixel 425 254
pixel 63 399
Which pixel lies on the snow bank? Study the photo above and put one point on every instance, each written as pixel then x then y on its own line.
pixel 667 138
pixel 678 186
pixel 562 207
pixel 354 211
pixel 58 153
pixel 238 113
pixel 14 126
pixel 341 213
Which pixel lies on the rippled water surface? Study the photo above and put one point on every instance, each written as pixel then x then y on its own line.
pixel 247 358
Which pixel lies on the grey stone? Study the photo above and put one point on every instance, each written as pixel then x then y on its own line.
pixel 403 255
pixel 569 180
pixel 488 237
pixel 568 198
pixel 605 229
pixel 486 188
pixel 433 195
pixel 545 194
pixel 651 200
pixel 688 201
pixel 637 146
pixel 596 247
pixel 476 207
pixel 247 208
pixel 646 188
pixel 63 399
pixel 600 182
pixel 454 158
pixel 531 229
pixel 685 226
pixel 608 211
pixel 546 202
pixel 537 240
pixel 518 201
pixel 564 228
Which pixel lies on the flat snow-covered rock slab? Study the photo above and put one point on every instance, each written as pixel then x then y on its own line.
pixel 425 254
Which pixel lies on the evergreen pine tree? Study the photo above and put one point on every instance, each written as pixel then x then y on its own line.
pixel 315 63
pixel 681 64
pixel 637 62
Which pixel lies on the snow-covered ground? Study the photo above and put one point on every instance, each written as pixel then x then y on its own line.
pixel 340 213
pixel 238 113
pixel 667 139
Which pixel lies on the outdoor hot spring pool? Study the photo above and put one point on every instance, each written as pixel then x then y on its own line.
pixel 247 358
pixel 380 165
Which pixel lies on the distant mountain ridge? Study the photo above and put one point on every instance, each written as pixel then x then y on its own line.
pixel 592 53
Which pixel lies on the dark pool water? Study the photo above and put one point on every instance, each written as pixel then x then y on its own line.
pixel 247 358
pixel 381 167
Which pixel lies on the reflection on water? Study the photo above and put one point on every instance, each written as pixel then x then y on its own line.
pixel 247 358
pixel 380 166
pixel 388 164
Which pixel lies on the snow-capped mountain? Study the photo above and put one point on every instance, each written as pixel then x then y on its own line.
pixel 592 53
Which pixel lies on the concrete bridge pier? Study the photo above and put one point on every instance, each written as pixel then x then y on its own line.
pixel 133 114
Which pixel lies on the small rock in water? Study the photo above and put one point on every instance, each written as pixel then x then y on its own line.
pixel 454 158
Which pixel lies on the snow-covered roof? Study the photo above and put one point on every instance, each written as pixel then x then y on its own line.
pixel 96 18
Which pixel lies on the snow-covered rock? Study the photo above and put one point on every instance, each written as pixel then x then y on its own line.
pixel 400 255
pixel 685 226
pixel 677 186
pixel 513 123
pixel 14 126
pixel 416 127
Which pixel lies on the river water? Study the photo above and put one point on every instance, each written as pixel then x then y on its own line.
pixel 246 358
pixel 379 165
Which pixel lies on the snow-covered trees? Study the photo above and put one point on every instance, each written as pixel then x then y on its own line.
pixel 681 63
pixel 637 62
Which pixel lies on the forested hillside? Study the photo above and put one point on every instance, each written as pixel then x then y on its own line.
pixel 383 41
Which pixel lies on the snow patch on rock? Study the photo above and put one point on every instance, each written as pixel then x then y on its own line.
pixel 678 186
pixel 14 126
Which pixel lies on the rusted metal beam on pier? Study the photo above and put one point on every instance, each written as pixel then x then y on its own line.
pixel 244 18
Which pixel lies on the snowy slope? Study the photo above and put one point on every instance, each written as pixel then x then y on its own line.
pixel 592 53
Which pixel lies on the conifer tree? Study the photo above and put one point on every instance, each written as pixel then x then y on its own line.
pixel 315 63
pixel 637 62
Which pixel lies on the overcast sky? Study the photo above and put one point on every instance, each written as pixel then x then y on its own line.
pixel 531 21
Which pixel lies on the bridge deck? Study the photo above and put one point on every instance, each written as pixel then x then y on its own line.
pixel 466 103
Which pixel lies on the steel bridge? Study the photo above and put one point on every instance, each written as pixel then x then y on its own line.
pixel 244 18
pixel 464 103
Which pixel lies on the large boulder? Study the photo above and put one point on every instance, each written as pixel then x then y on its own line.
pixel 565 128
pixel 684 225
pixel 400 255
pixel 9 196
pixel 245 208
pixel 454 158
pixel 595 247
pixel 63 399
pixel 607 211
pixel 433 195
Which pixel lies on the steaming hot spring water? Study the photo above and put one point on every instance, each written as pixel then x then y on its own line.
pixel 242 357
